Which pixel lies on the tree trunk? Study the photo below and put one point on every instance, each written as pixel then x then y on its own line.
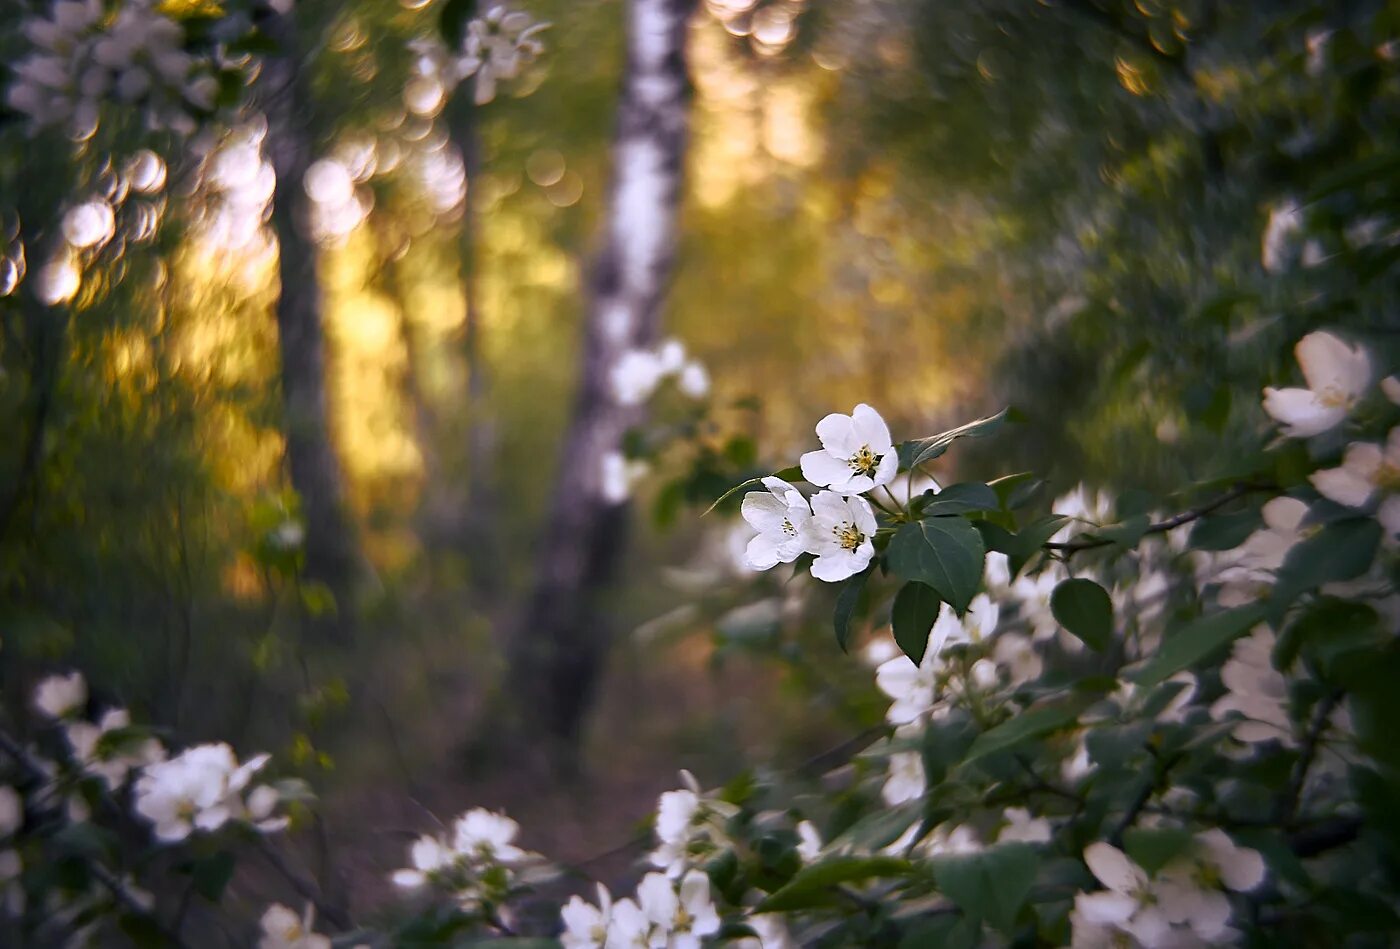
pixel 477 531
pixel 331 553
pixel 558 650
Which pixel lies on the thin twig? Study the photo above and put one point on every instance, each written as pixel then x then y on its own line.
pixel 1161 527
pixel 306 888
pixel 1288 808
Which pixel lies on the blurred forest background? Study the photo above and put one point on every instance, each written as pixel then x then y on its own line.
pixel 286 428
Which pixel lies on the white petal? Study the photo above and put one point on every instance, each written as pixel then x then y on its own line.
pixel 1300 412
pixel 762 553
pixel 823 468
pixel 763 511
pixel 1391 387
pixel 1113 868
pixel 871 429
pixel 1389 515
pixel 838 435
pixel 1284 513
pixel 1329 363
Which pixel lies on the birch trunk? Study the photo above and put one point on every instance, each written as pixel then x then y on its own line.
pixel 558 650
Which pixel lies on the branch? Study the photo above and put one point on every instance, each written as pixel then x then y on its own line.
pixel 1071 547
pixel 120 892
pixel 306 887
pixel 1322 714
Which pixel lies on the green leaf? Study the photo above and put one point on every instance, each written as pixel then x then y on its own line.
pixel 1342 550
pixel 1013 487
pixel 1225 531
pixel 919 450
pixel 1084 608
pixel 1033 723
pixel 1152 848
pixel 915 610
pixel 962 499
pixel 791 474
pixel 212 873
pixel 944 552
pixel 812 885
pixel 846 602
pixel 991 885
pixel 1196 640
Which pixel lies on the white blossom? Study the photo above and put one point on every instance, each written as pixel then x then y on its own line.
pixel 841 534
pixel 60 695
pixel 136 59
pixel 781 516
pixel 1368 472
pixel 1256 689
pixel 906 779
pixel 620 474
pixel 1020 825
pixel 809 845
pixel 497 46
pixel 689 824
pixel 102 759
pixel 1337 375
pixel 856 454
pixel 200 789
pixel 680 914
pixel 284 929
pixel 586 925
pixel 1127 903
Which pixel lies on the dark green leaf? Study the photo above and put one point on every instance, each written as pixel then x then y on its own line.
pixel 1225 531
pixel 915 610
pixel 1341 550
pixel 944 552
pixel 961 499
pixel 1033 723
pixel 991 885
pixel 846 602
pixel 1152 848
pixel 212 873
pixel 1084 608
pixel 919 450
pixel 812 885
pixel 1196 640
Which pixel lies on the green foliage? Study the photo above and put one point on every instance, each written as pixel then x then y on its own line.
pixel 944 552
pixel 1084 608
pixel 915 610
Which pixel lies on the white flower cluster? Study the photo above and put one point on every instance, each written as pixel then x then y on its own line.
pixel 495 47
pixel 635 377
pixel 666 914
pixel 84 56
pixel 203 788
pixel 478 864
pixel 837 526
pixel 673 909
pixel 689 827
pixel 638 373
pixel 108 750
pixel 1183 904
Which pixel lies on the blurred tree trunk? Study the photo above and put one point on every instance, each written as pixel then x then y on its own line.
pixel 557 651
pixel 331 553
pixel 477 530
